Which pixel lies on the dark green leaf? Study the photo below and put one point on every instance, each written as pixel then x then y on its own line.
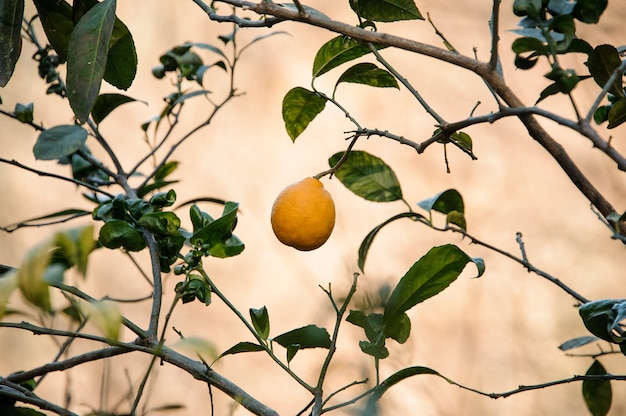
pixel 57 22
pixel 371 323
pixel 121 64
pixel 369 238
pixel 444 202
pixel 601 114
pixel 368 74
pixel 106 103
pixel 367 176
pixel 602 318
pixel 602 62
pixel 217 238
pixel 598 395
pixel 58 216
pixel 374 349
pixel 11 14
pixel 165 170
pixel 431 274
pixel 199 218
pixel 300 107
pixel 20 411
pixel 195 287
pixel 529 44
pixel 617 113
pixel 394 379
pixel 386 10
pixel 161 223
pixel 240 348
pixel 59 141
pixel 309 336
pixel 261 321
pixel 24 113
pixel 118 233
pixel 577 342
pixel 528 8
pixel 551 89
pixel 87 57
pixel 157 184
pixel 589 11
pixel 337 51
pixel 399 329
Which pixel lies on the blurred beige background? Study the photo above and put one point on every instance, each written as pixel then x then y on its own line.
pixel 491 334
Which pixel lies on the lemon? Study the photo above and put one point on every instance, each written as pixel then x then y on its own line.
pixel 303 215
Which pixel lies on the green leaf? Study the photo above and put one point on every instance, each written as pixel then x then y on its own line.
pixel 369 238
pixel 75 245
pixel 59 141
pixel 444 202
pixel 56 19
pixel 528 8
pixel 602 318
pixel 309 336
pixel 367 176
pixel 457 218
pixel 529 44
pixel 430 275
pixel 200 346
pixel 163 199
pixel 217 237
pixel 11 14
pixel 261 321
pixel 59 216
pixel 368 74
pixel 394 379
pixel 617 113
pixel 300 107
pixel 30 276
pixel 195 287
pixel 24 113
pixel 598 395
pixel 589 11
pixel 106 314
pixel 602 62
pixel 241 347
pixel 161 223
pixel 8 284
pixel 386 10
pixel 106 103
pixel 121 64
pixel 20 411
pixel 119 233
pixel 337 51
pixel 165 170
pixel 87 56
pixel 577 342
pixel 374 349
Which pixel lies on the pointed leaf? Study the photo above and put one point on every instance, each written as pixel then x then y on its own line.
pixel 59 216
pixel 395 379
pixel 444 202
pixel 300 107
pixel 602 62
pixel 261 321
pixel 598 395
pixel 369 238
pixel 337 51
pixel 59 141
pixel 368 74
pixel 617 113
pixel 309 336
pixel 577 342
pixel 56 19
pixel 367 176
pixel 75 245
pixel 24 113
pixel 589 11
pixel 121 64
pixel 106 103
pixel 241 347
pixel 431 274
pixel 386 10
pixel 87 57
pixel 11 14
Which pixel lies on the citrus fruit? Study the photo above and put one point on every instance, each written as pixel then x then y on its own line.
pixel 303 215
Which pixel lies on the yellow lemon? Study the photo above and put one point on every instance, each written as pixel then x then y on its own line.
pixel 303 215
